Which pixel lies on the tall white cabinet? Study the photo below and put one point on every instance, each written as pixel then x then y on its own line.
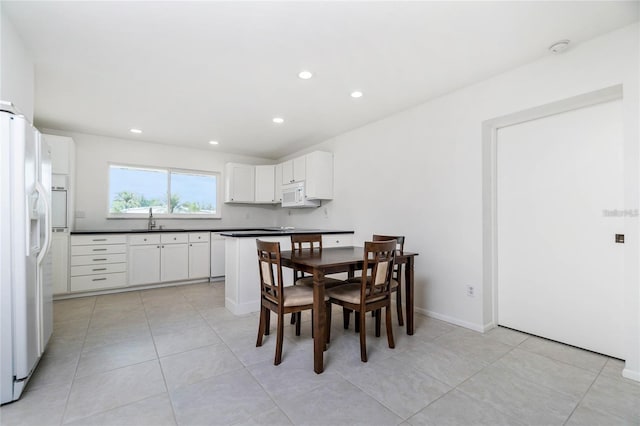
pixel 63 185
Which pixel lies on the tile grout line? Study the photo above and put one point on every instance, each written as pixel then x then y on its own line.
pixel 75 372
pixel 585 393
pixel 164 379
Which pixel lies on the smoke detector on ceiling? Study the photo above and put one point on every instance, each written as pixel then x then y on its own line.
pixel 559 46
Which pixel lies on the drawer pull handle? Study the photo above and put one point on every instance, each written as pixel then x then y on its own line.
pixel 99 279
pixel 104 249
pixel 99 239
pixel 99 269
pixel 98 260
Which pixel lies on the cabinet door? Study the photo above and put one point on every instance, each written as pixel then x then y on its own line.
pixel 287 172
pixel 61 147
pixel 265 184
pixel 278 181
pixel 60 260
pixel 199 260
pixel 240 183
pixel 299 169
pixel 174 262
pixel 217 255
pixel 319 180
pixel 144 264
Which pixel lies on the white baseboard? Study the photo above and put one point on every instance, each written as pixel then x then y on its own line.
pixel 456 321
pixel 241 308
pixel 630 374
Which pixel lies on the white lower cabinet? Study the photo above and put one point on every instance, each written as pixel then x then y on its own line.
pixel 199 257
pixel 174 262
pixel 144 259
pixel 98 262
pixel 60 261
pixel 337 240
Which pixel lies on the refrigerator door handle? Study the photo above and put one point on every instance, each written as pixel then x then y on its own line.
pixel 47 222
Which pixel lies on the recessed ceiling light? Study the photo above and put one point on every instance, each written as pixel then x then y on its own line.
pixel 305 75
pixel 213 142
pixel 278 120
pixel 559 46
pixel 356 94
pixel 138 131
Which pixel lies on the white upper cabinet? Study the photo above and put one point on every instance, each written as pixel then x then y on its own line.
pixel 239 183
pixel 294 170
pixel 278 179
pixel 62 153
pixel 262 184
pixel 265 184
pixel 319 175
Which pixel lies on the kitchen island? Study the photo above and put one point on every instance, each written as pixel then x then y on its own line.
pixel 242 289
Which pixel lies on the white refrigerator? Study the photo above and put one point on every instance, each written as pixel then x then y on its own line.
pixel 26 306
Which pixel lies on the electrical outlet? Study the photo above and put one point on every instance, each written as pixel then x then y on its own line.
pixel 471 291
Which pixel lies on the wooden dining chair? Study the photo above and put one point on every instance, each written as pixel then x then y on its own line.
pixel 372 293
pixel 396 283
pixel 311 242
pixel 277 298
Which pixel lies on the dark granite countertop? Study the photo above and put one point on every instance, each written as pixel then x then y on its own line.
pixel 279 231
pixel 227 232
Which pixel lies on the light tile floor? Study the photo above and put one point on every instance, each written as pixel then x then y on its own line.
pixel 176 356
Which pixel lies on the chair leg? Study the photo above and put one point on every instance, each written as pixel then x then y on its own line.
pixel 378 317
pixel 328 321
pixel 357 322
pixel 267 322
pixel 399 305
pixel 293 318
pixel 346 314
pixel 389 327
pixel 363 337
pixel 279 338
pixel 261 325
pixel 298 321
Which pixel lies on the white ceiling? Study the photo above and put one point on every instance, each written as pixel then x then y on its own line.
pixel 189 72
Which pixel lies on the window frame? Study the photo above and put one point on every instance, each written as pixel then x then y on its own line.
pixel 169 171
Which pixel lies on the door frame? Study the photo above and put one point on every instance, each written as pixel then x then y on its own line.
pixel 489 187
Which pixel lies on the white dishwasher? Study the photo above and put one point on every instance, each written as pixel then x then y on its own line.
pixel 217 255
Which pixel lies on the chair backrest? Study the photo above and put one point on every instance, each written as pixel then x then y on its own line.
pixel 399 239
pixel 270 267
pixel 302 241
pixel 377 270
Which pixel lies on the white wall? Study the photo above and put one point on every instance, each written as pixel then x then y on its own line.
pixel 419 173
pixel 93 153
pixel 16 69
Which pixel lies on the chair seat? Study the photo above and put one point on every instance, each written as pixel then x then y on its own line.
pixel 394 283
pixel 299 296
pixel 328 282
pixel 349 293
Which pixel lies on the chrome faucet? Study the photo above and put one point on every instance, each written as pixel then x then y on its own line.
pixel 152 222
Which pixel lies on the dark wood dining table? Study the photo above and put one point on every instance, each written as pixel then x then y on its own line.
pixel 334 260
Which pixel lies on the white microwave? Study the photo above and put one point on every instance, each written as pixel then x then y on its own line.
pixel 294 196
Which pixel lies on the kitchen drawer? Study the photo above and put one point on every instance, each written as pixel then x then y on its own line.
pixel 199 237
pixel 102 249
pixel 337 240
pixel 98 259
pixel 174 238
pixel 107 268
pixel 98 239
pixel 140 240
pixel 98 282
